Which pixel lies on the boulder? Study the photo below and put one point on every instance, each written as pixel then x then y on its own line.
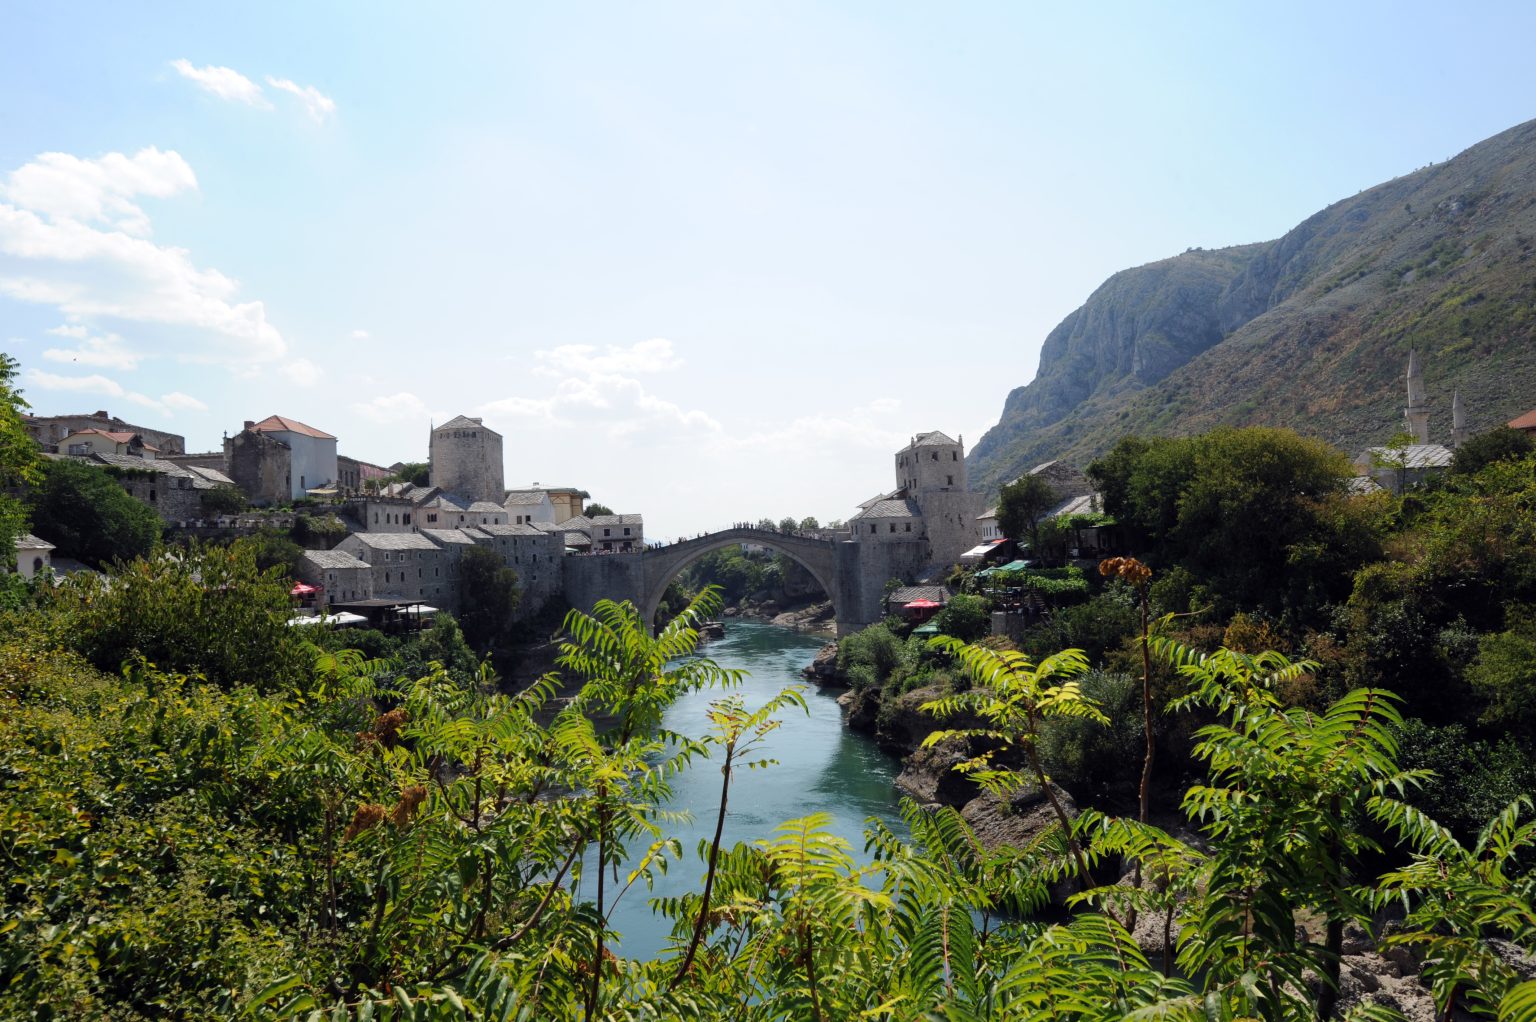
pixel 823 669
pixel 1018 820
pixel 863 708
pixel 929 775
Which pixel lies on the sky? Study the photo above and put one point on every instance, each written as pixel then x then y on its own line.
pixel 708 261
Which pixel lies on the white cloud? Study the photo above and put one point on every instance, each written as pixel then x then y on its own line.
pixel 360 335
pixel 52 252
pixel 303 372
pixel 93 384
pixel 183 402
pixel 79 333
pixel 402 406
pixel 62 187
pixel 166 405
pixel 223 82
pixel 595 391
pixel 652 356
pixel 108 352
pixel 319 105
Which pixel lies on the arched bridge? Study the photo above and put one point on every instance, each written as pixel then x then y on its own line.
pixel 853 574
pixel 663 564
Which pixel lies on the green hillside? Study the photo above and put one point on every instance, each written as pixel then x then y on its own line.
pixel 1310 331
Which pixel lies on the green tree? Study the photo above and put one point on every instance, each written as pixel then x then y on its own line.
pixel 18 456
pixel 787 524
pixel 967 618
pixel 272 548
pixel 1020 506
pixel 489 594
pixel 593 510
pixel 1501 444
pixel 1258 516
pixel 85 513
pixel 223 500
pixel 809 523
pixel 417 472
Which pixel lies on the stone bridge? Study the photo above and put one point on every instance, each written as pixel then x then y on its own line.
pixel 852 574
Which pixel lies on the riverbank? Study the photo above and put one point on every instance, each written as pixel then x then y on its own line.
pixel 812 617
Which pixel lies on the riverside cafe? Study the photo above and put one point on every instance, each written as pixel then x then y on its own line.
pixel 1004 583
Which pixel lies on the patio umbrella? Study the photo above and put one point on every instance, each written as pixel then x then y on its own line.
pixel 921 605
pixel 300 589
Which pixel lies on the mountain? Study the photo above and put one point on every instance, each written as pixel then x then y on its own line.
pixel 1310 331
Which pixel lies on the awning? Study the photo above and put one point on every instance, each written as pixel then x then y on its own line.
pixel 1013 566
pixel 419 610
pixel 345 620
pixel 305 621
pixel 928 629
pixel 922 604
pixel 978 552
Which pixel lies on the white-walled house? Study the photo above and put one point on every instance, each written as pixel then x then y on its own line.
pixel 312 453
pixel 33 555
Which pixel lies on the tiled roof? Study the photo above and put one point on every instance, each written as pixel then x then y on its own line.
pixel 27 541
pixel 891 509
pixel 522 498
pixel 931 439
pixel 619 520
pixel 1087 504
pixel 872 501
pixel 1526 421
pixel 906 594
pixel 1411 456
pixel 990 512
pixel 143 464
pixel 116 436
pixel 515 530
pixel 476 533
pixel 394 540
pixel 283 424
pixel 332 559
pixel 577 539
pixel 448 537
pixel 485 507
pixel 1361 484
pixel 213 475
pixel 464 422
pixel 580 523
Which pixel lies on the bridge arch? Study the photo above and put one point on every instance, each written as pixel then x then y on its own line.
pixel 816 556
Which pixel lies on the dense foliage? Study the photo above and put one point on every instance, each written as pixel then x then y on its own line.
pixel 347 841
pixel 490 594
pixel 18 455
pixel 87 515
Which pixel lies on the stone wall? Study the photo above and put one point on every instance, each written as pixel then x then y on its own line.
pixel 259 465
pixel 862 571
pixel 950 519
pixel 466 460
pixel 171 497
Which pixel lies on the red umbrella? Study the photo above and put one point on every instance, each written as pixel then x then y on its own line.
pixel 922 604
pixel 300 589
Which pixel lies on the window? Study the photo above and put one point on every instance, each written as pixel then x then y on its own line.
pixel 375 518
pixel 431 518
pixel 934 455
pixel 626 532
pixel 151 496
pixel 951 480
pixel 872 527
pixel 909 527
pixel 954 456
pixel 893 526
pixel 606 532
pixel 407 518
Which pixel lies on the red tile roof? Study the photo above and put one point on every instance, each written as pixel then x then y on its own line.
pixel 116 437
pixel 1526 421
pixel 282 424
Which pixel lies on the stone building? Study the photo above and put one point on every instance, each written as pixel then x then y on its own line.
pixel 465 457
pixel 535 556
pixel 617 533
pixel 932 502
pixel 342 577
pixel 279 459
pixel 405 565
pixel 50 430
pixel 353 476
pixel 101 441
pixel 377 513
pixel 531 507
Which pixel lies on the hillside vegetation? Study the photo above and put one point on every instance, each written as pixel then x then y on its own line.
pixel 1310 331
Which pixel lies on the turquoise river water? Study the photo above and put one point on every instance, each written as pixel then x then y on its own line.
pixel 822 767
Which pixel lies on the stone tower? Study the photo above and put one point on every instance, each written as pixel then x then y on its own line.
pixel 466 460
pixel 1458 421
pixel 1417 412
pixel 931 471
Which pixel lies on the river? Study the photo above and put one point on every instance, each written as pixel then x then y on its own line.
pixel 822 767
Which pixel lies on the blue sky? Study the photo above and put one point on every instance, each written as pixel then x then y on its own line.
pixel 707 261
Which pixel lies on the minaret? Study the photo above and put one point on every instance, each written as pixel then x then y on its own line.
pixel 1458 421
pixel 1417 412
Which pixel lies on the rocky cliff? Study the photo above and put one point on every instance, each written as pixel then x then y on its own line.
pixel 1311 330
